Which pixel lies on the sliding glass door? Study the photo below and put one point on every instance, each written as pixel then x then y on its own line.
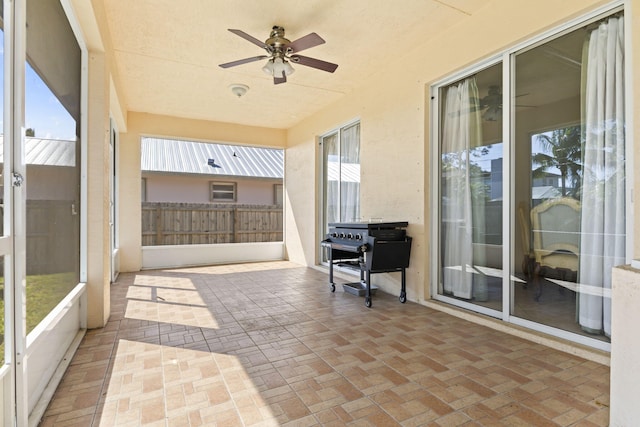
pixel 571 147
pixel 554 198
pixel 471 160
pixel 340 165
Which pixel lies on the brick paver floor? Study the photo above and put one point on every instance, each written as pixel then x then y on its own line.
pixel 268 344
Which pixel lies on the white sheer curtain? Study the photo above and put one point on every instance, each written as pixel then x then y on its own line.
pixel 341 174
pixel 461 132
pixel 350 173
pixel 331 178
pixel 603 188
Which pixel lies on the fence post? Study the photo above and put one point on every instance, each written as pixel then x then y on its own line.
pixel 235 224
pixel 158 225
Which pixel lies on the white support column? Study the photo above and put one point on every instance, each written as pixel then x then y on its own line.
pixel 98 249
pixel 625 346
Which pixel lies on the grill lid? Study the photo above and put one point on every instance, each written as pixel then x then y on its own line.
pixel 366 225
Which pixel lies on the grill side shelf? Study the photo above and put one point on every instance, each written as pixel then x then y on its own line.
pixel 388 255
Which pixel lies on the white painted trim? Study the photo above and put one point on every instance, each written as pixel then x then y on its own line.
pixel 560 333
pixel 319 200
pixel 466 72
pixel 47 394
pixel 322 184
pixel 175 256
pixel 84 133
pixel 508 210
pixel 434 200
pixel 629 136
pixel 114 186
pixel 19 203
pixel 48 323
pixel 339 127
pixel 9 369
pixel 561 344
pixel 115 264
pixel 471 307
pixel 49 342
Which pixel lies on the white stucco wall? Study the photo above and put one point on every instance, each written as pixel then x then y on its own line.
pixel 625 347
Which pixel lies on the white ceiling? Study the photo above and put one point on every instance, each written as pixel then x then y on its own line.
pixel 167 52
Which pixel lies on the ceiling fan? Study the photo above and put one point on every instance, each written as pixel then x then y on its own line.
pixel 492 104
pixel 281 53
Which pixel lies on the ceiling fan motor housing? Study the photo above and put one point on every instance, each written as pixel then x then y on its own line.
pixel 276 39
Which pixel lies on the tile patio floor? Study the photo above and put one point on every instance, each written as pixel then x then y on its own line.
pixel 268 344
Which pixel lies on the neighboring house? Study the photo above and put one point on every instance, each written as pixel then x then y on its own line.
pixel 196 172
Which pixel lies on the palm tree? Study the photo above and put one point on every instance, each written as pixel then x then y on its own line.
pixel 563 151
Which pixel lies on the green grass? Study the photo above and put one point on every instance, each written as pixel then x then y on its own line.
pixel 44 292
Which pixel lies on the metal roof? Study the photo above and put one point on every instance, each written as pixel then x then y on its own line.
pixel 47 152
pixel 190 157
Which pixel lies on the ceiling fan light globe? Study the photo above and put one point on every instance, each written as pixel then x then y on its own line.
pixel 278 66
pixel 268 67
pixel 288 69
pixel 492 114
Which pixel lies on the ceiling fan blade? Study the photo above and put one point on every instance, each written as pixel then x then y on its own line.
pixel 306 42
pixel 243 61
pixel 315 63
pixel 278 80
pixel 249 38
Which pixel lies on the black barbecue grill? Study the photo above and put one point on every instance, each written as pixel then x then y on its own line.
pixel 370 247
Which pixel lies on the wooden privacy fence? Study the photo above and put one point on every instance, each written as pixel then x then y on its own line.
pixel 203 223
pixel 53 242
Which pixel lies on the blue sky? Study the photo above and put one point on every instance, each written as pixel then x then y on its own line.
pixel 43 111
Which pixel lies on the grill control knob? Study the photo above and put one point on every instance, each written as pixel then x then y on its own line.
pixel 334 234
pixel 342 235
pixel 350 236
pixel 358 236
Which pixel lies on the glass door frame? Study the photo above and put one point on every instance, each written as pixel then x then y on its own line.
pixel 113 200
pixel 434 202
pixel 322 184
pixel 509 211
